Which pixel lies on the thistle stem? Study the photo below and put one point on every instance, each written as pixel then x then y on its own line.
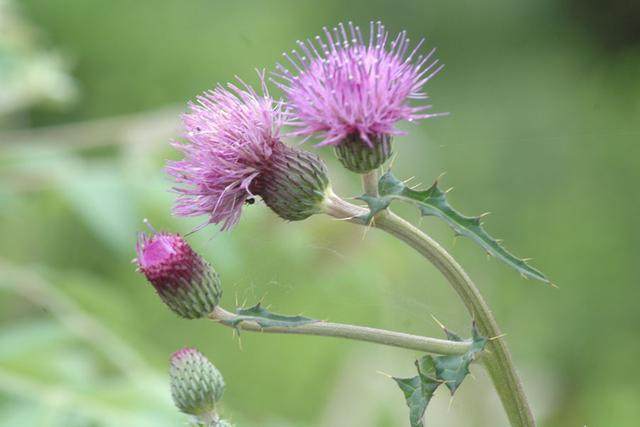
pixel 370 183
pixel 498 362
pixel 353 332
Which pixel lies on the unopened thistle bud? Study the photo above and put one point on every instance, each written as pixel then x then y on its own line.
pixel 351 90
pixel 233 152
pixel 183 280
pixel 196 385
pixel 361 157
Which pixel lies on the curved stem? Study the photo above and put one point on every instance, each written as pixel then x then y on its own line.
pixel 498 361
pixel 353 332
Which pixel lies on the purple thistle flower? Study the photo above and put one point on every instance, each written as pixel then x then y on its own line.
pixel 352 92
pixel 231 136
pixel 181 277
pixel 233 152
pixel 342 85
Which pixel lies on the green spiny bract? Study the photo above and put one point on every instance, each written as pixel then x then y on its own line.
pixel 361 157
pixel 294 185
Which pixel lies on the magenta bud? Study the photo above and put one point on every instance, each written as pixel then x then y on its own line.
pixel 182 278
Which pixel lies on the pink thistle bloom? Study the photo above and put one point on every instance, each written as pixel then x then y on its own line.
pixel 181 277
pixel 231 136
pixel 233 152
pixel 344 86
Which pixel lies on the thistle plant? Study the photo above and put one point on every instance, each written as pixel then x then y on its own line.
pixel 349 90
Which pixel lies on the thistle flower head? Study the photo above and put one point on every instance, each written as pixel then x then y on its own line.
pixel 182 279
pixel 232 152
pixel 196 385
pixel 344 86
pixel 230 133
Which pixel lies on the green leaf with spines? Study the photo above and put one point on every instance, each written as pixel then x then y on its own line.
pixel 436 370
pixel 433 202
pixel 376 205
pixel 267 319
pixel 452 370
pixel 419 390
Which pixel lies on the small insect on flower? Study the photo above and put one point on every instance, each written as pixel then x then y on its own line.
pixel 233 153
pixel 184 281
pixel 351 92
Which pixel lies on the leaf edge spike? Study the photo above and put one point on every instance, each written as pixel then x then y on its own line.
pixel 433 202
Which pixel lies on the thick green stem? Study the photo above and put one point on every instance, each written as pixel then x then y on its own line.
pixel 370 183
pixel 498 362
pixel 353 332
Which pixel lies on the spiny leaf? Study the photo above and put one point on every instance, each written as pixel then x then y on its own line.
pixel 376 204
pixel 419 390
pixel 452 370
pixel 452 335
pixel 433 202
pixel 436 370
pixel 267 319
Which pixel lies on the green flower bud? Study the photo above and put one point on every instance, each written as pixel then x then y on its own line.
pixel 196 385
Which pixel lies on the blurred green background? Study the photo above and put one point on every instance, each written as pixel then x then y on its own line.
pixel 544 130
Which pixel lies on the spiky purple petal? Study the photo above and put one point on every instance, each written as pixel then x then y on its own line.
pixel 230 136
pixel 343 85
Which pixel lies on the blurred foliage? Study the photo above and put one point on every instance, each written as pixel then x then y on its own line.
pixel 543 133
pixel 29 74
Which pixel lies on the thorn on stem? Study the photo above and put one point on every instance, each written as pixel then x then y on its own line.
pixel 450 403
pixel 408 179
pixel 392 161
pixel 497 337
pixel 435 319
pixel 384 374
